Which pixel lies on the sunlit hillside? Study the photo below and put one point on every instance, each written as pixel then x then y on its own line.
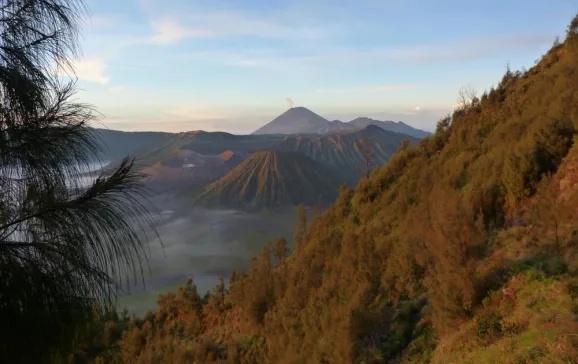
pixel 461 249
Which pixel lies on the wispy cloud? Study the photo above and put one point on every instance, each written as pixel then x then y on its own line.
pixel 466 49
pixel 168 31
pixel 275 58
pixel 172 29
pixel 87 69
pixel 455 50
pixel 189 113
pixel 377 88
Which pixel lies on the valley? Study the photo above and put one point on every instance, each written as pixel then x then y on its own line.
pixel 459 247
pixel 223 196
pixel 203 244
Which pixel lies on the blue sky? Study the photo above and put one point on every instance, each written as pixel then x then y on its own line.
pixel 179 65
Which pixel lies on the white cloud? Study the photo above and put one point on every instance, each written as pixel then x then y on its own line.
pixel 429 53
pixel 92 70
pixel 170 29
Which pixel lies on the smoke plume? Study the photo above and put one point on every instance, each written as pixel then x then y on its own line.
pixel 290 102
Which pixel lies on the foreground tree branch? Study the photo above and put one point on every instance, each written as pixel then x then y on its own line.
pixel 64 246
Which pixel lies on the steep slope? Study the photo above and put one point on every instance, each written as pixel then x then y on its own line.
pixel 273 179
pixel 231 158
pixel 346 150
pixel 297 120
pixel 397 127
pixel 462 249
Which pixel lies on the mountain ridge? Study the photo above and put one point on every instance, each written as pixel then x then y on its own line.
pixel 300 120
pixel 194 159
pixel 341 149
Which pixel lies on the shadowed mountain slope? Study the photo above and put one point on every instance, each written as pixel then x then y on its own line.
pixel 397 127
pixel 345 150
pixel 116 144
pixel 337 126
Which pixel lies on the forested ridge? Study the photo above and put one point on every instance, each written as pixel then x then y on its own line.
pixel 462 249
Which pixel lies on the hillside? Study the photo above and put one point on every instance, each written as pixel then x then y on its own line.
pixel 296 120
pixel 116 144
pixel 462 249
pixel 272 180
pixel 396 127
pixel 192 159
pixel 207 143
pixel 346 150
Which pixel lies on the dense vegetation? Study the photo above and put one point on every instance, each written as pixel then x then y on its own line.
pixel 273 180
pixel 462 249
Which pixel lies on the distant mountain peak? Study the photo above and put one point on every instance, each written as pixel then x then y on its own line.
pixel 301 120
pixel 299 112
pixel 296 120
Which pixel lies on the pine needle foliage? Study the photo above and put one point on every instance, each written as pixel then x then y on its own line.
pixel 64 246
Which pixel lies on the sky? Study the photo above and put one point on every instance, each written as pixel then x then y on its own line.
pixel 179 65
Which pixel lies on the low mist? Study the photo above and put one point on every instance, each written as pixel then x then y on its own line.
pixel 202 244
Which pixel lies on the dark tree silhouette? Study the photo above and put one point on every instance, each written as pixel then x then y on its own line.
pixel 63 245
